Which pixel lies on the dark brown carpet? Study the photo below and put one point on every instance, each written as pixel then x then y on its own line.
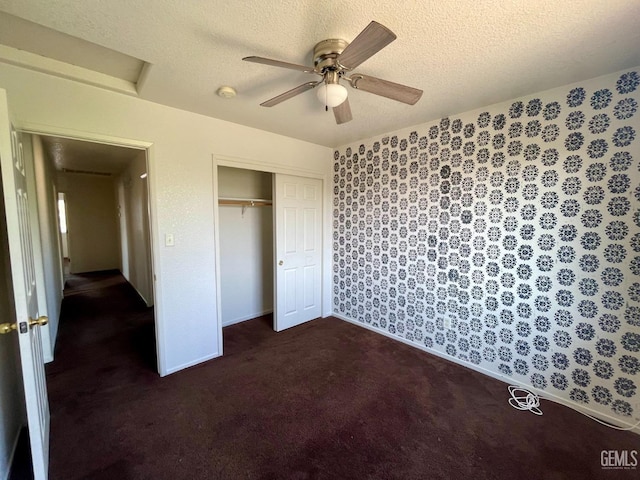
pixel 325 400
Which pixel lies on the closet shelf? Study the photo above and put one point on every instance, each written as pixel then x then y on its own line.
pixel 245 202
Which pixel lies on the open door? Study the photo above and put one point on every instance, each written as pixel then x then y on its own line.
pixel 298 248
pixel 26 323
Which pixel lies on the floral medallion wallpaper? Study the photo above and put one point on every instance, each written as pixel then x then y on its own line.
pixel 507 238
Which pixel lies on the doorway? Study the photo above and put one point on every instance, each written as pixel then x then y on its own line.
pixel 285 216
pixel 98 195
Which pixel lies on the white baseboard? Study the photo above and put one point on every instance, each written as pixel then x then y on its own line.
pixel 146 302
pixel 498 376
pixel 226 323
pixel 12 455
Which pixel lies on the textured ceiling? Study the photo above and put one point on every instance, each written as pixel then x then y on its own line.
pixel 88 157
pixel 463 54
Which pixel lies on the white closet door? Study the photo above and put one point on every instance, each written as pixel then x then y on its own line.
pixel 298 246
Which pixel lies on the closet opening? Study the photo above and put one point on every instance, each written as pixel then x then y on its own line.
pixel 246 236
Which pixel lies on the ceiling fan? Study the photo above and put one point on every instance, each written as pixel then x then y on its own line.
pixel 333 60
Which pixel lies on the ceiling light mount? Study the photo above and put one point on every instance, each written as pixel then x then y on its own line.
pixel 325 54
pixel 227 92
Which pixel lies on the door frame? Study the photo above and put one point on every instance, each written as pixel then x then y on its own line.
pixel 264 166
pixel 148 147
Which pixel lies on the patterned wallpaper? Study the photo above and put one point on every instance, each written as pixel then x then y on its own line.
pixel 508 239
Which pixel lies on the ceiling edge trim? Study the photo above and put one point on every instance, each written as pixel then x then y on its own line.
pixel 32 61
pixel 73 134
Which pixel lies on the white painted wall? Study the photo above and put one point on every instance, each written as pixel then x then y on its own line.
pixel 50 246
pixel 123 233
pixel 181 186
pixel 133 208
pixel 12 415
pixel 246 246
pixel 91 221
pixel 243 183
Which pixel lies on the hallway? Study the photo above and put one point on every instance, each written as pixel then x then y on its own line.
pixel 105 344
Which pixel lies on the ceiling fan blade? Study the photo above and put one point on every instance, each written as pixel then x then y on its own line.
pixel 291 93
pixel 343 112
pixel 385 88
pixel 278 63
pixel 368 42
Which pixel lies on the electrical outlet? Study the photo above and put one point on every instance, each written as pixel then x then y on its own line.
pixel 447 323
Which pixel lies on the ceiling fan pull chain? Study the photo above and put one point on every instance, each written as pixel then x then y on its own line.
pixel 326 106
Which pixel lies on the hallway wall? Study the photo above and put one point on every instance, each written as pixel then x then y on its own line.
pixel 47 194
pixel 91 222
pixel 133 221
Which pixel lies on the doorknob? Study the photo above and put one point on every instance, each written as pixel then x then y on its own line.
pixel 10 327
pixel 7 327
pixel 280 262
pixel 42 321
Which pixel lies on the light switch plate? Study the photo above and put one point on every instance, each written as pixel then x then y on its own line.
pixel 169 240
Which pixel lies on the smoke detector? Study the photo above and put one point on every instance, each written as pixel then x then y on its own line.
pixel 227 92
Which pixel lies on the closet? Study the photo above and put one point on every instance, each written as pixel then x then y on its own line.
pixel 246 243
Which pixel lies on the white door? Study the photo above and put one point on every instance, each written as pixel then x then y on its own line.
pixel 298 246
pixel 26 324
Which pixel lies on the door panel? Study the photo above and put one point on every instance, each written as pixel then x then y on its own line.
pixel 290 291
pixel 309 287
pixel 298 245
pixel 24 289
pixel 310 192
pixel 290 191
pixel 309 231
pixel 290 229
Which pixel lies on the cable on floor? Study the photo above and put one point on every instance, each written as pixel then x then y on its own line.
pixel 530 401
pixel 523 399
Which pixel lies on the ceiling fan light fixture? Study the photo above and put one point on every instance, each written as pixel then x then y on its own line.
pixel 332 94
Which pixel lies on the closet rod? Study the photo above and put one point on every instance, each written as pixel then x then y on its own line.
pixel 245 202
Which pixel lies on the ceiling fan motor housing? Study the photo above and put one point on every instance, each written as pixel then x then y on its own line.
pixel 325 55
